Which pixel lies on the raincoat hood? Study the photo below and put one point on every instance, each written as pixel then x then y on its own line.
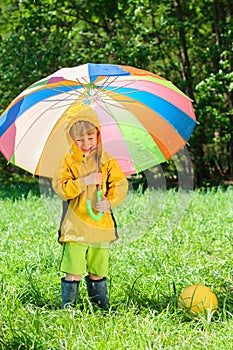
pixel 76 113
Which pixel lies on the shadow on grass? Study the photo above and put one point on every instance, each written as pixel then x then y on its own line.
pixel 225 304
pixel 156 302
pixel 142 300
pixel 36 296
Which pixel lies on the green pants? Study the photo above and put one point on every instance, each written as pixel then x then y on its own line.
pixel 79 258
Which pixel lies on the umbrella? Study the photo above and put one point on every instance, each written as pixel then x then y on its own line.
pixel 144 118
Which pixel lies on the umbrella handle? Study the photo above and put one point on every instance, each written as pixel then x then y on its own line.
pixel 89 207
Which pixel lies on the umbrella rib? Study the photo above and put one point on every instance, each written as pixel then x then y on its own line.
pixel 68 104
pixel 111 92
pixel 101 96
pixel 75 92
pixel 96 92
pixel 122 93
pixel 105 101
pixel 82 83
pixel 111 104
pixel 79 100
pixel 106 96
pixel 85 89
pixel 117 87
pixel 117 100
pixel 99 93
pixel 106 80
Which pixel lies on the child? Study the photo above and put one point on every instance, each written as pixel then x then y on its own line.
pixel 86 240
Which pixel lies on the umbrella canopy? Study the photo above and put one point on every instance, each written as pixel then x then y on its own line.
pixel 144 118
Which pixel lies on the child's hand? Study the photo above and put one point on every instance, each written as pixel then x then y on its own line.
pixel 104 205
pixel 95 178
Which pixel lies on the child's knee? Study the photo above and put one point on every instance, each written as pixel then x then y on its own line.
pixel 95 277
pixel 72 277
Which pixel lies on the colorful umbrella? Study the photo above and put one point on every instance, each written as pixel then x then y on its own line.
pixel 144 118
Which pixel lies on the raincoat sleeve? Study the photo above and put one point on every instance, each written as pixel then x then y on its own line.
pixel 117 184
pixel 65 184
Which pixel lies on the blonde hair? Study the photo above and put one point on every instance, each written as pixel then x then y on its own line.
pixel 80 128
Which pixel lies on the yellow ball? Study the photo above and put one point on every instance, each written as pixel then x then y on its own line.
pixel 198 299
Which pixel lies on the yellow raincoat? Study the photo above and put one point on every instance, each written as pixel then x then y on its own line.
pixel 68 183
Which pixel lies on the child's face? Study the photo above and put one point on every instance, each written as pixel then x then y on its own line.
pixel 87 142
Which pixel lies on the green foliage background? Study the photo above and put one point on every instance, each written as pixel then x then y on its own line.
pixel 187 42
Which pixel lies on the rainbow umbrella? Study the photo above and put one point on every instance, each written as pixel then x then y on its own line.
pixel 144 118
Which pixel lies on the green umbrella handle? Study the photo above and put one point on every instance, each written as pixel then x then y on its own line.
pixel 89 207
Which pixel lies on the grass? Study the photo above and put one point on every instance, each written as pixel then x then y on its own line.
pixel 162 250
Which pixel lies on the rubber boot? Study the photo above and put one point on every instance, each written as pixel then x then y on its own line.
pixel 97 292
pixel 69 291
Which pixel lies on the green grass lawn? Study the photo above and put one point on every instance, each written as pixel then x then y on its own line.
pixel 162 250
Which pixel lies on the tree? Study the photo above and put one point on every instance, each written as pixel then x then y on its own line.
pixel 187 42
